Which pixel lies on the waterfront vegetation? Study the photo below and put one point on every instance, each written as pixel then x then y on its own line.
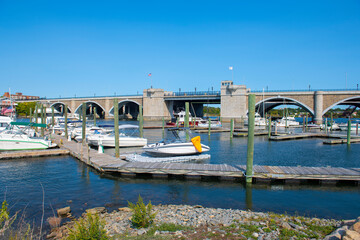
pixel 11 230
pixel 23 108
pixel 142 214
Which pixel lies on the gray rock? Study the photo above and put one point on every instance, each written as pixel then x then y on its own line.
pixel 141 231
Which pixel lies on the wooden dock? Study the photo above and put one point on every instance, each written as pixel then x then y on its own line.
pixel 245 134
pixel 33 153
pixel 341 141
pixel 105 163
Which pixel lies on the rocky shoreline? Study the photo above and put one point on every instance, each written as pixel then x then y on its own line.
pixel 197 222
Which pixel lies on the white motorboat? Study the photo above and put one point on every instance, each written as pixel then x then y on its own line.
pixel 333 126
pixel 354 125
pixel 176 147
pixel 213 124
pixel 76 133
pixel 11 139
pixel 287 122
pixel 259 121
pixel 125 140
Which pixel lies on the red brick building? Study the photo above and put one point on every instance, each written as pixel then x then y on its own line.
pixel 20 96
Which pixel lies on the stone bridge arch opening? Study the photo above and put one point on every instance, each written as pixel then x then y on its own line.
pixel 268 104
pixel 60 106
pixel 353 102
pixel 91 109
pixel 128 110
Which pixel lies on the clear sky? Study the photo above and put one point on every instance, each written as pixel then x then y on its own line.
pixel 63 48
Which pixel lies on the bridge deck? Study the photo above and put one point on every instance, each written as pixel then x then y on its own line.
pixel 106 163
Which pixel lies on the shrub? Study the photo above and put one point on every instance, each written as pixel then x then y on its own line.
pixel 91 227
pixel 142 216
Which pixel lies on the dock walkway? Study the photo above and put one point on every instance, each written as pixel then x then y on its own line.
pixel 110 164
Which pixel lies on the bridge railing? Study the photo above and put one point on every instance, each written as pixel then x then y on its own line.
pixel 76 97
pixel 305 90
pixel 197 93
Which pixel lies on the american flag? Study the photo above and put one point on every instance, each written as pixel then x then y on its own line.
pixel 149 74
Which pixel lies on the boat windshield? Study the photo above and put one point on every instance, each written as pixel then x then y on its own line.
pixel 177 135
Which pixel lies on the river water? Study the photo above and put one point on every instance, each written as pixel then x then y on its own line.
pixel 68 182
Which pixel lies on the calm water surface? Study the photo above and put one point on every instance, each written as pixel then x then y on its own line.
pixel 68 182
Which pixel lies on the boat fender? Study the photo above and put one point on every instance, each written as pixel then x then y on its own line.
pixel 196 141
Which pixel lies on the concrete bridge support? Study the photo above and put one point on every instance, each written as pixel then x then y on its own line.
pixel 154 105
pixel 318 106
pixel 233 102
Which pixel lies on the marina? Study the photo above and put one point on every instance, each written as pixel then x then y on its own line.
pixel 107 163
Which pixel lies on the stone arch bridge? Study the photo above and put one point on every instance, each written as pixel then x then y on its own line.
pixel 233 99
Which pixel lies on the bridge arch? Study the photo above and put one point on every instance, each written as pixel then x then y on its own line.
pixel 353 101
pixel 128 109
pixel 90 108
pixel 272 102
pixel 59 106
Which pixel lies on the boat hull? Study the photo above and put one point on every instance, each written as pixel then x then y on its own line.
pixel 9 145
pixel 173 149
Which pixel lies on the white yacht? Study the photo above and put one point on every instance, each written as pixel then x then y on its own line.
pixel 354 125
pixel 259 121
pixel 16 139
pixel 176 147
pixel 125 140
pixel 287 122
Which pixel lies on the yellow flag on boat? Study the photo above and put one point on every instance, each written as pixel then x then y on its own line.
pixel 196 142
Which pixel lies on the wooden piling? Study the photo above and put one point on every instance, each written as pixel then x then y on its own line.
pixel 231 128
pixel 186 122
pixel 83 123
pixel 269 127
pixel 94 112
pixel 331 122
pixel 42 120
pixel 209 127
pixel 66 122
pixel 303 124
pixel 116 127
pixel 357 128
pixel 307 120
pixel 250 144
pixel 141 121
pixel 52 116
pixel 326 123
pixel 163 127
pixel 348 132
pixel 30 119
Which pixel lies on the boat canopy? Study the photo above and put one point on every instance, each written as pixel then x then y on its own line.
pixel 28 124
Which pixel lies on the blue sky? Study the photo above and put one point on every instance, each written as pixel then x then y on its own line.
pixel 63 48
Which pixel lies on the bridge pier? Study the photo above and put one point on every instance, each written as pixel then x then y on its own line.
pixel 154 105
pixel 318 106
pixel 233 101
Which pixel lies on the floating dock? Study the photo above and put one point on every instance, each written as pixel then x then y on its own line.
pixel 33 153
pixel 105 163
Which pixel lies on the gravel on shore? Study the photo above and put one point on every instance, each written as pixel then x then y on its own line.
pixel 197 222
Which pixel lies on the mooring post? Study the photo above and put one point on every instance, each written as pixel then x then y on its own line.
pixel 269 127
pixel 30 120
pixel 94 112
pixel 303 124
pixel 250 143
pixel 42 120
pixel 116 127
pixel 286 118
pixel 88 153
pixel 66 123
pixel 177 122
pixel 193 122
pixel 52 116
pixel 331 121
pixel 163 127
pixel 83 123
pixel 307 119
pixel 357 128
pixel 248 196
pixel 209 127
pixel 186 122
pixel 326 123
pixel 348 132
pixel 231 128
pixel 141 121
pixel 36 115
